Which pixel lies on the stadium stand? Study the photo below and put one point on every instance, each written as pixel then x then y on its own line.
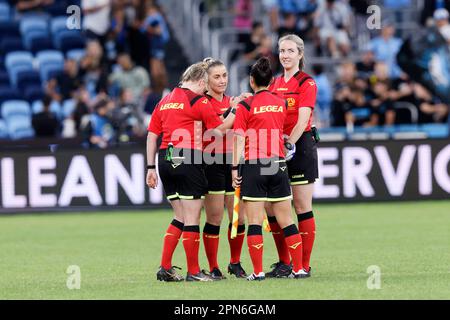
pixel 35 46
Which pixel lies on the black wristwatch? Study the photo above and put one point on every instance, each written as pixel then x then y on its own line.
pixel 288 146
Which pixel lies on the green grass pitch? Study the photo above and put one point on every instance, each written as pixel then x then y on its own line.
pixel 118 254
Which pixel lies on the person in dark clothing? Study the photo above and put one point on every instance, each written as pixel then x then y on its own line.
pixel 45 123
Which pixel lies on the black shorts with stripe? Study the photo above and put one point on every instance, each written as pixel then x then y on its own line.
pixel 184 177
pixel 303 168
pixel 266 180
pixel 218 174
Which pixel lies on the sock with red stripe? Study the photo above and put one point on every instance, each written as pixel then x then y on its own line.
pixel 294 243
pixel 191 244
pixel 171 238
pixel 277 233
pixel 307 229
pixel 255 247
pixel 211 243
pixel 236 243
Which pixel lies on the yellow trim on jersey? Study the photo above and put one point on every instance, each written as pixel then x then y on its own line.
pixel 279 199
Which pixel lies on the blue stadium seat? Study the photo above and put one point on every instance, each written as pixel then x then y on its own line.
pixel 33 93
pixel 49 71
pixel 58 24
pixel 8 93
pixel 4 79
pixel 19 127
pixel 55 107
pixel 4 11
pixel 68 40
pixel 19 58
pixel 27 78
pixel 9 28
pixel 50 56
pixel 76 54
pixel 39 43
pixel 30 24
pixel 68 108
pixel 3 130
pixel 12 108
pixel 57 8
pixel 10 44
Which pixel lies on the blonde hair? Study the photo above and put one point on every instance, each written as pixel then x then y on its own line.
pixel 212 63
pixel 300 46
pixel 196 72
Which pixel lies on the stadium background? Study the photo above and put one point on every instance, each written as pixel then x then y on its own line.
pixel 382 111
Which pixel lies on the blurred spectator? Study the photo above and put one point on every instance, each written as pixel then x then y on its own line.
pixel 266 50
pixel 24 6
pixel 430 6
pixel 82 103
pixel 386 47
pixel 324 96
pixel 271 7
pixel 441 18
pixel 94 69
pixel 45 123
pixel 96 20
pixel 382 104
pixel 288 25
pixel 158 33
pixel 359 112
pixel 397 7
pixel 66 84
pixel 367 64
pixel 97 126
pixel 431 109
pixel 126 118
pixel 129 76
pixel 243 11
pixel 252 43
pixel 332 21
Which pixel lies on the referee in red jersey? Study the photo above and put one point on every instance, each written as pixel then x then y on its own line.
pixel 300 91
pixel 217 156
pixel 259 126
pixel 179 118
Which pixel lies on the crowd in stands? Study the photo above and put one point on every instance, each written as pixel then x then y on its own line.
pixel 103 87
pixel 371 90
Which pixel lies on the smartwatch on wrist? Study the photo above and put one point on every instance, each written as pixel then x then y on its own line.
pixel 288 145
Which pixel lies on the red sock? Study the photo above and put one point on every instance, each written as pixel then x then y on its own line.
pixel 255 247
pixel 294 243
pixel 236 243
pixel 171 238
pixel 191 244
pixel 278 236
pixel 211 243
pixel 307 229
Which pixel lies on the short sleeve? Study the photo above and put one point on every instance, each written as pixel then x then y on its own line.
pixel 241 120
pixel 155 124
pixel 308 94
pixel 206 113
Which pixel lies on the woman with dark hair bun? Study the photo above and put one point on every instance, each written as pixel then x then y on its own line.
pixel 259 129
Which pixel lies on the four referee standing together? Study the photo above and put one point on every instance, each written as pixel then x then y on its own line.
pixel 272 131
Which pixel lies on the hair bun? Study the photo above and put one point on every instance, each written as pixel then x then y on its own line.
pixel 263 64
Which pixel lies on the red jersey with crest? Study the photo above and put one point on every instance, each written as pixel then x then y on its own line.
pixel 262 117
pixel 300 92
pixel 180 117
pixel 226 143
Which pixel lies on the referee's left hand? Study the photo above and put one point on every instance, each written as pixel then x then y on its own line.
pixel 236 180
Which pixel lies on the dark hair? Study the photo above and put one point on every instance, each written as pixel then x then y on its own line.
pixel 46 100
pixel 262 72
pixel 256 25
pixel 101 104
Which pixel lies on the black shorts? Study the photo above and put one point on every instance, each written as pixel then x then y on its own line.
pixel 304 166
pixel 219 176
pixel 265 181
pixel 182 179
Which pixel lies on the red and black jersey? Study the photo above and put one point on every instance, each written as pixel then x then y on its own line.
pixel 300 92
pixel 262 118
pixel 180 117
pixel 226 145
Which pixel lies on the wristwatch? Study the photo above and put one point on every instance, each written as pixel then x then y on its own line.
pixel 288 145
